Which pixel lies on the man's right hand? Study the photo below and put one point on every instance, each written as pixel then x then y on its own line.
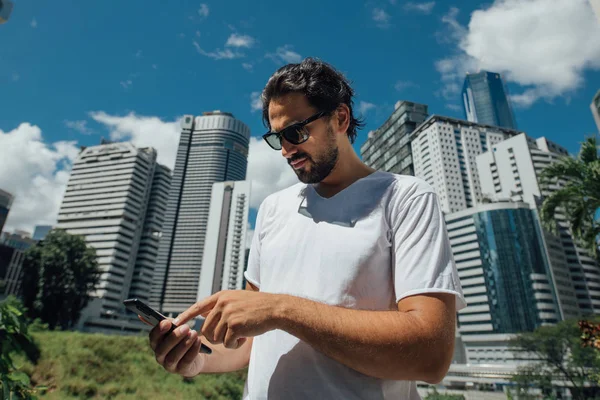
pixel 179 351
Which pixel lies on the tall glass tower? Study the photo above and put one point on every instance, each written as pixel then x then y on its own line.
pixel 212 148
pixel 485 100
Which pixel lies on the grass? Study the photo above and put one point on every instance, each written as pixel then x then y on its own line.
pixel 75 365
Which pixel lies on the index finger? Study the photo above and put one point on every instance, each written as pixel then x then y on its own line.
pixel 199 308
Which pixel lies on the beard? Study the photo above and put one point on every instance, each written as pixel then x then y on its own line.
pixel 322 166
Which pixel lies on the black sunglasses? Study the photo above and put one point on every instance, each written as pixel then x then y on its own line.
pixel 295 133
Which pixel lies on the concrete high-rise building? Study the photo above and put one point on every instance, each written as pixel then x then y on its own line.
pixel 12 254
pixel 6 200
pixel 212 148
pixel 388 148
pixel 143 273
pixel 595 106
pixel 40 231
pixel 224 249
pixel 444 151
pixel 485 100
pixel 107 202
pixel 505 276
pixel 511 171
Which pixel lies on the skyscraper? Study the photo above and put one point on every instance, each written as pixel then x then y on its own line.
pixel 485 100
pixel 224 250
pixel 212 148
pixel 595 106
pixel 511 172
pixel 106 202
pixel 388 147
pixel 505 277
pixel 444 151
pixel 6 200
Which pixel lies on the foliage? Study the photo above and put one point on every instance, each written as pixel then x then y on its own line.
pixel 59 274
pixel 579 197
pixel 561 357
pixel 435 395
pixel 75 365
pixel 15 340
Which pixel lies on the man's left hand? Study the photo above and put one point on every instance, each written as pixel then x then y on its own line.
pixel 233 315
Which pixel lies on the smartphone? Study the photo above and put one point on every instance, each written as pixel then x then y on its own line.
pixel 154 317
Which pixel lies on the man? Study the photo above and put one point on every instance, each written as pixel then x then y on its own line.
pixel 352 290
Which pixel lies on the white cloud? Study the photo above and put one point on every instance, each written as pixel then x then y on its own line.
pixel 454 107
pixel 425 8
pixel 218 54
pixel 402 85
pixel 248 67
pixel 267 170
pixel 138 54
pixel 126 84
pixel 203 11
pixel 364 107
pixel 545 46
pixel 36 173
pixel 144 131
pixel 255 102
pixel 285 55
pixel 236 40
pixel 33 23
pixel 79 126
pixel 381 17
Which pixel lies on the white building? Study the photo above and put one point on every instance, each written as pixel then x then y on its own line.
pixel 224 250
pixel 511 171
pixel 106 202
pixel 212 148
pixel 444 151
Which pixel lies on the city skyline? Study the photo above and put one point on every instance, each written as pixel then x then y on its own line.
pixel 212 56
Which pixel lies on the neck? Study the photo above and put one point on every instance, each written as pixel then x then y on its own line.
pixel 348 169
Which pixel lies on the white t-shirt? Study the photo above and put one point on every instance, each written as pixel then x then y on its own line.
pixel 379 240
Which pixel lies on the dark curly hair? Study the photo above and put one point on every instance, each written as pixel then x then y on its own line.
pixel 324 87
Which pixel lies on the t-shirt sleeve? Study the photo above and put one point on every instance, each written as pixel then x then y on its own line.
pixel 252 273
pixel 423 261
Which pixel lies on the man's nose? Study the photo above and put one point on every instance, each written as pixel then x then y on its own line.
pixel 288 149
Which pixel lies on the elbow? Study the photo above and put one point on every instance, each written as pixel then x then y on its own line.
pixel 434 372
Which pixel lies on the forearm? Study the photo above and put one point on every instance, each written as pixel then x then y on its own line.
pixel 225 360
pixel 383 344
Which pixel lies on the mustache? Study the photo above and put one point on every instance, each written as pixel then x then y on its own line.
pixel 296 157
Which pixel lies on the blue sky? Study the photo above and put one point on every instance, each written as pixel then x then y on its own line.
pixel 74 71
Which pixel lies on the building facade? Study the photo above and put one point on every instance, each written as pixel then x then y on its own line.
pixel 505 276
pixel 106 202
pixel 511 171
pixel 212 148
pixel 388 148
pixel 224 255
pixel 40 231
pixel 595 106
pixel 485 100
pixel 444 152
pixel 6 200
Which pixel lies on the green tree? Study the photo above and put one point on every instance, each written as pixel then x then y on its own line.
pixel 14 339
pixel 579 198
pixel 59 274
pixel 561 357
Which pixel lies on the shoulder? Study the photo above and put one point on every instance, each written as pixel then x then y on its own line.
pixel 406 188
